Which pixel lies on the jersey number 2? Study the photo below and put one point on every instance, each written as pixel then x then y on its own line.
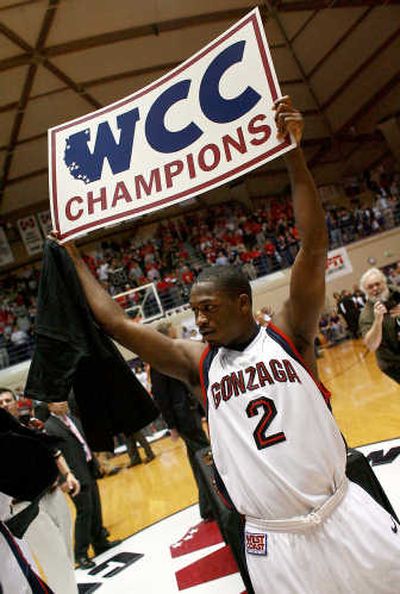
pixel 268 409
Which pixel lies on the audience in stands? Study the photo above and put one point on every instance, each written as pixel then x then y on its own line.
pixel 262 241
pixel 341 322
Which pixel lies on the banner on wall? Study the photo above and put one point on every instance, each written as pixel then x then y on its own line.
pixel 337 264
pixel 45 223
pixel 6 255
pixel 203 124
pixel 30 234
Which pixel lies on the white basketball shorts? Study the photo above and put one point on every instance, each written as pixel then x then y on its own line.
pixel 354 550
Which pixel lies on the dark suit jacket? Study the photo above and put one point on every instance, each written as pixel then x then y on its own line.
pixel 71 351
pixel 177 405
pixel 71 448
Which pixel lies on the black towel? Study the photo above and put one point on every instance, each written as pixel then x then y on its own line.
pixel 71 351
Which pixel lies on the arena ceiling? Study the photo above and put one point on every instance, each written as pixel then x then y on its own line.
pixel 60 59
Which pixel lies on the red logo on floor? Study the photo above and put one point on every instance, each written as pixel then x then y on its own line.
pixel 213 566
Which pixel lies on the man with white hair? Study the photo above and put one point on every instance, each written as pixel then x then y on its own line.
pixel 380 321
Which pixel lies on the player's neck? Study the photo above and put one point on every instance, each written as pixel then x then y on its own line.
pixel 245 339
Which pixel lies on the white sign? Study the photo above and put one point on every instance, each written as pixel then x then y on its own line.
pixel 6 255
pixel 30 234
pixel 337 264
pixel 203 124
pixel 45 223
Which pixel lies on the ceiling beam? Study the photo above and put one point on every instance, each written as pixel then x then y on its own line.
pixel 360 113
pixel 12 5
pixel 25 176
pixel 175 24
pixel 15 38
pixel 341 39
pixel 325 4
pixel 363 66
pixel 8 106
pixel 16 61
pixel 368 105
pixel 359 139
pixel 27 87
pixel 26 140
pixel 304 26
pixel 83 85
pixel 378 160
pixel 299 65
pixel 71 84
pixel 151 29
pixel 17 126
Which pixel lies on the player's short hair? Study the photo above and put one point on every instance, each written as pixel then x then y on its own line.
pixel 3 390
pixel 368 274
pixel 227 279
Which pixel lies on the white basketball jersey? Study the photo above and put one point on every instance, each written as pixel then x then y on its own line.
pixel 275 443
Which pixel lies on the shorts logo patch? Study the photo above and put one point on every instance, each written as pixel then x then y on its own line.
pixel 256 543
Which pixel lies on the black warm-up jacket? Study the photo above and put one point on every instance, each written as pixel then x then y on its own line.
pixel 71 351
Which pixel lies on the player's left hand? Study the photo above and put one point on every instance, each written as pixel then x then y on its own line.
pixel 69 246
pixel 288 119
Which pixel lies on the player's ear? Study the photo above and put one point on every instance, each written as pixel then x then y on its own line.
pixel 245 302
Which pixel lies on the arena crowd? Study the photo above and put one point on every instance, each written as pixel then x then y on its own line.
pixel 262 241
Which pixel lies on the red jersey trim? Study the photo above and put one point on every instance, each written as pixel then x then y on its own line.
pixel 201 372
pixel 323 389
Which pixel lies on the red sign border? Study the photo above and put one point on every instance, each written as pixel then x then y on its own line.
pixel 251 19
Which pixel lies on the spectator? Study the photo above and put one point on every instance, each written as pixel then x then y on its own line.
pixel 336 331
pixel 88 523
pixel 380 321
pixel 348 308
pixel 133 451
pixel 4 358
pixel 19 345
pixel 180 411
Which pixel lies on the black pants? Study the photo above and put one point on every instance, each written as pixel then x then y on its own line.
pixel 195 439
pixel 132 448
pixel 89 521
pixel 393 373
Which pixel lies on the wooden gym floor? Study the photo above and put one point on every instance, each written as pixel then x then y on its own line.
pixel 365 403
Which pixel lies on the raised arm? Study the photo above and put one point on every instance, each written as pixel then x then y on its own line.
pixel 178 358
pixel 307 286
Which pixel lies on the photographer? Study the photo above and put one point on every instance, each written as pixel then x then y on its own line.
pixel 379 322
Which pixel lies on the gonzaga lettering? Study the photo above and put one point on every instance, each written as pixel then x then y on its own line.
pixel 252 378
pixel 263 400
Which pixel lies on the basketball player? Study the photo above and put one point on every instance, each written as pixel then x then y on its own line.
pixel 279 455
